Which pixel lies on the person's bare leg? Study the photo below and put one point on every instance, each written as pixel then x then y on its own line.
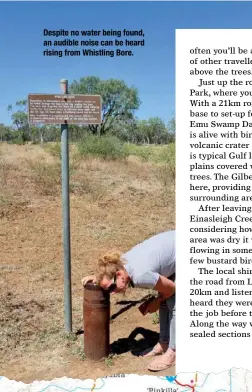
pixel 162 346
pixel 169 357
pixel 158 349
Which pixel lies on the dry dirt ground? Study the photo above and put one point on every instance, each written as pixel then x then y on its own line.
pixel 114 205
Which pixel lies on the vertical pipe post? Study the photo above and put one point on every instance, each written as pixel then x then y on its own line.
pixel 66 218
pixel 96 312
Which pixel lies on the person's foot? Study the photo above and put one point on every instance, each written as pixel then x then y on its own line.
pixel 163 362
pixel 158 349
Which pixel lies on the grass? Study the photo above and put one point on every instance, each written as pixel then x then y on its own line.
pixel 109 360
pixel 107 147
pixel 113 206
pixel 94 191
pixel 155 318
pixel 79 351
pixel 54 149
pixel 144 153
pixel 153 153
pixel 6 171
pixel 71 337
pixel 112 148
pixel 4 199
pixel 10 199
pixel 166 175
pixel 45 175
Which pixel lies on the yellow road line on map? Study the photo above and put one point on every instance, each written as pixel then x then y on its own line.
pixel 196 377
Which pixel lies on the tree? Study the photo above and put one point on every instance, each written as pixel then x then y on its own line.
pixel 141 133
pixel 156 131
pixel 171 130
pixel 125 130
pixel 151 131
pixel 77 132
pixel 20 120
pixel 25 131
pixel 118 101
pixel 5 133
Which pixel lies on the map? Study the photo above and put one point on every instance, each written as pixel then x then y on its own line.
pixel 232 380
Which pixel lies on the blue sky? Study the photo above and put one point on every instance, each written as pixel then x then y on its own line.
pixel 24 70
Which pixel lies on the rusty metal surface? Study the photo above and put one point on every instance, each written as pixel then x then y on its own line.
pixel 92 286
pixel 64 109
pixel 96 313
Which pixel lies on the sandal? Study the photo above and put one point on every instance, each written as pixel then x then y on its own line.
pixel 158 366
pixel 165 362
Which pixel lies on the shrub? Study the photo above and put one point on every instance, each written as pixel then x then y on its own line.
pixel 18 142
pixel 167 155
pixel 142 152
pixel 106 147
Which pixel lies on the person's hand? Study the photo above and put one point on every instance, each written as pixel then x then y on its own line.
pixel 90 278
pixel 150 307
pixel 153 306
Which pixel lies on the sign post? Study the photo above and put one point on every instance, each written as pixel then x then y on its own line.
pixel 65 109
pixel 66 217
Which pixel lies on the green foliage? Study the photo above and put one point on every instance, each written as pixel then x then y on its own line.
pixel 151 131
pixel 24 131
pixel 145 153
pixel 109 360
pixel 171 130
pixel 77 132
pixel 71 337
pixel 79 351
pixel 5 133
pixel 166 154
pixel 20 120
pixel 166 171
pixel 118 101
pixel 45 133
pixel 153 153
pixel 106 147
pixel 17 141
pixel 155 318
pixel 172 125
